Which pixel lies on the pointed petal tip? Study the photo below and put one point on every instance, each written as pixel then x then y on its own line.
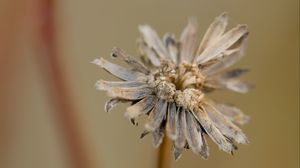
pixel 177 155
pixel 95 61
pixel 243 27
pixel 99 85
pixel 149 127
pixel 193 20
pixel 143 27
pixel 224 14
pixel 98 61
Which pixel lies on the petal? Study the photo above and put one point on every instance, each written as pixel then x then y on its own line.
pixel 225 126
pixel 153 41
pixel 226 75
pixel 225 42
pixel 158 135
pixel 137 65
pixel 111 103
pixel 120 72
pixel 213 132
pixel 214 32
pixel 188 41
pixel 156 115
pixel 234 73
pixel 193 134
pixel 105 85
pixel 172 46
pixel 232 113
pixel 171 122
pixel 141 107
pixel 132 93
pixel 150 53
pixel 205 149
pixel 236 85
pixel 180 132
pixel 229 57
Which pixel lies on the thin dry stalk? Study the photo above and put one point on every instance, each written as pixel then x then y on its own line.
pixel 55 80
pixel 164 155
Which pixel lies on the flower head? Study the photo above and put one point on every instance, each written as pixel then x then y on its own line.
pixel 171 82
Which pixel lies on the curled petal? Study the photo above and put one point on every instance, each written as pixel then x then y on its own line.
pixel 120 72
pixel 141 107
pixel 137 65
pixel 111 103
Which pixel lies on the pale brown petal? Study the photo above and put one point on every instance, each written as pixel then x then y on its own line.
pixel 172 46
pixel 132 93
pixel 234 73
pixel 120 72
pixel 153 41
pixel 141 107
pixel 229 74
pixel 193 134
pixel 188 41
pixel 213 132
pixel 171 122
pixel 213 33
pixel 156 115
pixel 149 53
pixel 135 64
pixel 229 57
pixel 225 42
pixel 225 126
pixel 233 113
pixel 236 85
pixel 104 85
pixel 205 149
pixel 111 103
pixel 180 132
pixel 158 135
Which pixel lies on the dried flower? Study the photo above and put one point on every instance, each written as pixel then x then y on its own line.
pixel 171 82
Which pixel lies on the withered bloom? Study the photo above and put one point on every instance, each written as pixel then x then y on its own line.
pixel 171 82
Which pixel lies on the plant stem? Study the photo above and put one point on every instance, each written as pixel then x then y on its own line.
pixel 164 156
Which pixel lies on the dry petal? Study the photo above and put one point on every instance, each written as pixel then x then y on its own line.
pixel 141 107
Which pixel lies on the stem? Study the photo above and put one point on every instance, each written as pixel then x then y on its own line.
pixel 164 156
pixel 51 66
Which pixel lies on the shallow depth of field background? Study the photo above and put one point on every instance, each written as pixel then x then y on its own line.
pixel 33 136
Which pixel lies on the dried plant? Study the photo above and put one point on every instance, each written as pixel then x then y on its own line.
pixel 171 81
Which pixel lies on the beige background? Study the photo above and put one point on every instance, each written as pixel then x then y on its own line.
pixel 89 29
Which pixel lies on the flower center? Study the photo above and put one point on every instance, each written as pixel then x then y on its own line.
pixel 179 83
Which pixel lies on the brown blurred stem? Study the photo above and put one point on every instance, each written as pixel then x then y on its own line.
pixel 51 66
pixel 164 155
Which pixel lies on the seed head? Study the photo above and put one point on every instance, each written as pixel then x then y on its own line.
pixel 171 82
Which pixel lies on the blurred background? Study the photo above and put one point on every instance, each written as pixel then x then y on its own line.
pixel 52 116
